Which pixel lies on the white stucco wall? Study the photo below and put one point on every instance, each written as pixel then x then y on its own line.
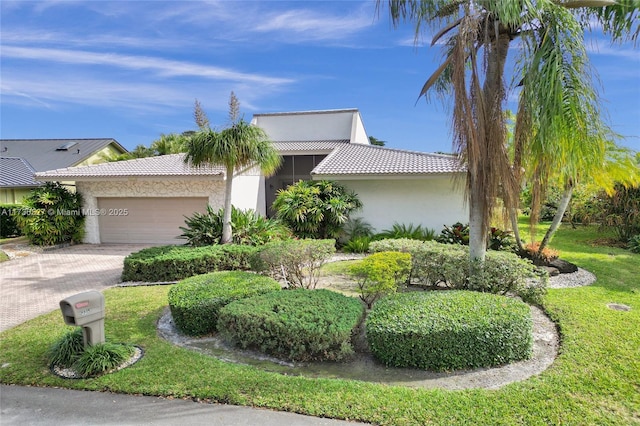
pixel 159 187
pixel 325 125
pixel 431 202
pixel 248 192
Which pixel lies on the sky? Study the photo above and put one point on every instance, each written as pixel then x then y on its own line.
pixel 132 70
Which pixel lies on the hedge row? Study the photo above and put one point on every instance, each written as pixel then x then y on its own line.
pixel 449 330
pixel 195 302
pixel 436 265
pixel 172 263
pixel 299 325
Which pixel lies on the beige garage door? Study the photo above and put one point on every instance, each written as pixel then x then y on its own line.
pixel 145 220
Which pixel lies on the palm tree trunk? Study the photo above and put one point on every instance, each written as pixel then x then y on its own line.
pixel 513 216
pixel 226 217
pixel 557 219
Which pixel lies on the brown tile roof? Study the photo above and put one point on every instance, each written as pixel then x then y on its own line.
pixel 355 159
pixel 164 165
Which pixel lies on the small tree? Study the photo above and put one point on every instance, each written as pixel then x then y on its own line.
pixel 380 274
pixel 51 215
pixel 316 209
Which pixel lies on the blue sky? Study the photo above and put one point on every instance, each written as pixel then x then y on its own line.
pixel 131 70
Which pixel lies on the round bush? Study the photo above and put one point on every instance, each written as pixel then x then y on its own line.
pixel 196 301
pixel 449 330
pixel 299 325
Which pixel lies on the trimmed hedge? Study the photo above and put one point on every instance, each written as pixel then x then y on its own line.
pixel 381 273
pixel 299 325
pixel 449 330
pixel 173 263
pixel 436 265
pixel 195 302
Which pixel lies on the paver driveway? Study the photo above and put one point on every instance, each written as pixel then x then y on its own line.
pixel 33 285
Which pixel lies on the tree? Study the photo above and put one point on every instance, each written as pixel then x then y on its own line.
pixel 477 36
pixel 241 145
pixel 376 141
pixel 200 117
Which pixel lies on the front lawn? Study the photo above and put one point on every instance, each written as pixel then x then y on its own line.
pixel 595 380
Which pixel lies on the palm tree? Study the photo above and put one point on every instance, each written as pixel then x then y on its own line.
pixel 476 36
pixel 241 145
pixel 172 143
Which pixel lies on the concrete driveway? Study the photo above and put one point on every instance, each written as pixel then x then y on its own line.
pixel 33 285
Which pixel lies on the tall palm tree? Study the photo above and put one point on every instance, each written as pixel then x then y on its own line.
pixel 476 35
pixel 241 145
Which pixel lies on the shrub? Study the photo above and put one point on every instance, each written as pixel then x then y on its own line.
pixel 8 224
pixel 316 209
pixel 436 265
pixel 548 254
pixel 404 245
pixel 66 350
pixel 456 234
pixel 500 240
pixel 298 262
pixel 196 302
pixel 51 215
pixel 357 245
pixel 102 358
pixel 248 228
pixel 299 325
pixel 449 330
pixel 407 231
pixel 356 228
pixel 380 274
pixel 621 212
pixel 634 244
pixel 172 263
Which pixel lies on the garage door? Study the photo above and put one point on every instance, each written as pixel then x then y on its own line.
pixel 145 220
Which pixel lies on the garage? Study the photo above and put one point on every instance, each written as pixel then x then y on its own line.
pixel 148 220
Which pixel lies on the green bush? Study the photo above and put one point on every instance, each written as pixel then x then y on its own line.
pixel 172 263
pixel 410 231
pixel 66 350
pixel 449 330
pixel 299 325
pixel 102 358
pixel 381 273
pixel 298 262
pixel 8 224
pixel 456 234
pixel 248 228
pixel 437 265
pixel 51 215
pixel 316 209
pixel 357 245
pixel 634 244
pixel 195 302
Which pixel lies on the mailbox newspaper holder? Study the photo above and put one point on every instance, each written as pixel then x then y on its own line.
pixel 87 311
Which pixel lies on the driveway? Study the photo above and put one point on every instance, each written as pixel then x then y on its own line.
pixel 33 285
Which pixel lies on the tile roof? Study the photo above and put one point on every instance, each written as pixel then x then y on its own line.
pixel 356 159
pixel 17 172
pixel 45 154
pixel 164 165
pixel 300 146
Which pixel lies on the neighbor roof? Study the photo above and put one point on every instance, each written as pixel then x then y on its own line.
pixel 163 165
pixel 305 146
pixel 357 159
pixel 17 173
pixel 48 154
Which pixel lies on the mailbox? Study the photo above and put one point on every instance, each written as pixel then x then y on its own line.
pixel 87 311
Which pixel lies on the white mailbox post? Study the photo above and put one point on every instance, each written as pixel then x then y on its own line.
pixel 87 311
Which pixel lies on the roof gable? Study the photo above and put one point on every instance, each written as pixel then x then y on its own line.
pixel 16 173
pixel 48 154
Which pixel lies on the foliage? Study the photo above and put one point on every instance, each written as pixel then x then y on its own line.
pixel 439 265
pixel 299 325
pixel 316 209
pixel 449 330
pixel 621 212
pixel 357 245
pixel 248 228
pixel 456 234
pixel 196 302
pixel 410 231
pixel 171 263
pixel 66 350
pixel 8 224
pixel 102 358
pixel 634 244
pixel 51 214
pixel 297 262
pixel 532 251
pixel 380 274
pixel 356 227
pixel 500 240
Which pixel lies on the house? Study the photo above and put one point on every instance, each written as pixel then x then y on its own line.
pixel 21 158
pixel 146 200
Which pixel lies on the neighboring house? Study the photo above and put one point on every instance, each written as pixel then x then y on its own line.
pixel 145 200
pixel 39 155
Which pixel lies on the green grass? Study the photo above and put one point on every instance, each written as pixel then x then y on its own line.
pixel 595 380
pixel 3 256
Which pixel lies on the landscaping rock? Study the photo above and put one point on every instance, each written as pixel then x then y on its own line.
pixel 553 272
pixel 563 266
